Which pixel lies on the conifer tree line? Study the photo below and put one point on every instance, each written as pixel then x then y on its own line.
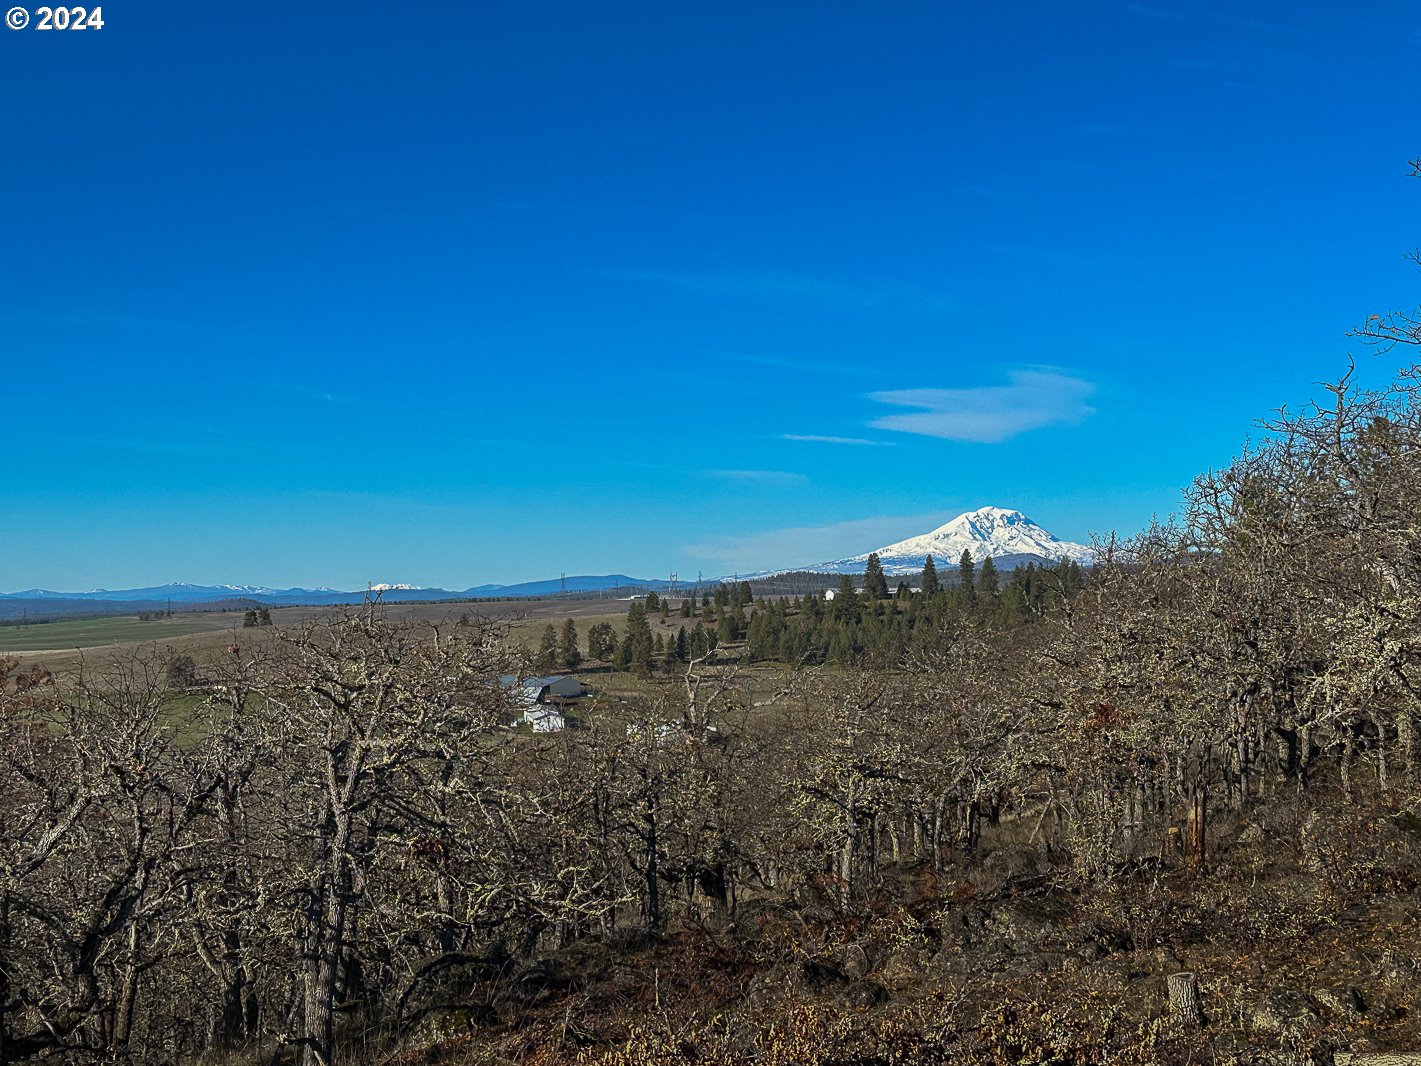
pixel 868 625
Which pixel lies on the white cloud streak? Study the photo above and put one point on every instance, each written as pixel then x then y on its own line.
pixel 766 477
pixel 1035 398
pixel 814 438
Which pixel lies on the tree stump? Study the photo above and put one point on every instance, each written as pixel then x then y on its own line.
pixel 1184 998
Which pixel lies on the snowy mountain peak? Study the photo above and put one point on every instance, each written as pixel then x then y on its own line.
pixel 984 522
pixel 996 532
pixel 382 587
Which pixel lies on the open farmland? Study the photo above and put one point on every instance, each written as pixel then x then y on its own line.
pixel 113 630
pixel 63 645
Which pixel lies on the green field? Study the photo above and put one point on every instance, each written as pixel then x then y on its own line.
pixel 92 632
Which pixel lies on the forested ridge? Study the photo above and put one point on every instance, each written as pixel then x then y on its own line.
pixel 1163 811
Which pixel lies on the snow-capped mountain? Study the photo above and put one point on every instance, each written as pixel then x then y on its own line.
pixel 1008 537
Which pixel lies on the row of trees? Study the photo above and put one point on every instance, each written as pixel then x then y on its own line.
pixel 864 626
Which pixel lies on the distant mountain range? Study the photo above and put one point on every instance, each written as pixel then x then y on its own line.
pixel 1008 537
pixel 183 592
pixel 108 601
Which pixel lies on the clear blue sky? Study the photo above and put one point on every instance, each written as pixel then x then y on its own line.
pixel 327 294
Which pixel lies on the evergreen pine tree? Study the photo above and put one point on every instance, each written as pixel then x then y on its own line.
pixel 568 652
pixel 598 644
pixel 967 578
pixel 699 641
pixel 929 582
pixel 987 579
pixel 725 628
pixel 546 661
pixel 875 585
pixel 636 650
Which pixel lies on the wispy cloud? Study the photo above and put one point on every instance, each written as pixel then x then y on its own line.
pixel 765 477
pixel 783 285
pixel 814 438
pixel 1036 397
pixel 808 545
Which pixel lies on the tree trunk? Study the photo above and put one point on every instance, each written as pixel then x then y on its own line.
pixel 1381 752
pixel 1405 740
pixel 4 976
pixel 1349 748
pixel 1196 835
pixel 1184 998
pixel 652 872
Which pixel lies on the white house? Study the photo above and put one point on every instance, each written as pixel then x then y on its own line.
pixel 545 719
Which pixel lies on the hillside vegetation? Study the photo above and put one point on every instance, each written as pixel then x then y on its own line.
pixel 998 843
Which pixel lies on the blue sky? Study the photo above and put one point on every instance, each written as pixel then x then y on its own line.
pixel 325 295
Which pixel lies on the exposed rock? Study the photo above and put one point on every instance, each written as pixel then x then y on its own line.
pixel 1342 1000
pixel 446 1023
pixel 905 966
pixel 859 960
pixel 818 974
pixel 1397 964
pixel 864 994
pixel 545 974
pixel 1283 1010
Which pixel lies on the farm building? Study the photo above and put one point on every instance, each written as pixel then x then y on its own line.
pixel 528 691
pixel 540 699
